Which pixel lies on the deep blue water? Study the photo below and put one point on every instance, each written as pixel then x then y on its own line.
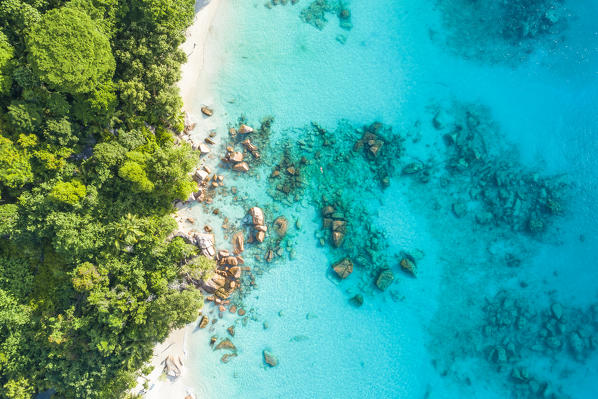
pixel 505 300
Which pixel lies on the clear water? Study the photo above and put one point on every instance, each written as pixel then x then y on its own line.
pixel 423 337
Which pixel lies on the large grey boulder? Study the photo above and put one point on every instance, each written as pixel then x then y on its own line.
pixel 172 366
pixel 205 242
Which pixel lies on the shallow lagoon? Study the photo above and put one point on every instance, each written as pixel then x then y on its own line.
pixel 423 337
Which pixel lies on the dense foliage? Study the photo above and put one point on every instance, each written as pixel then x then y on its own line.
pixel 88 174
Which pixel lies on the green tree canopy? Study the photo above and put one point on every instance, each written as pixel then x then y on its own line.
pixel 68 192
pixel 69 51
pixel 15 169
pixel 6 54
pixel 89 280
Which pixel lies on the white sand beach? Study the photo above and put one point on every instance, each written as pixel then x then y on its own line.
pixel 160 385
pixel 194 86
pixel 201 64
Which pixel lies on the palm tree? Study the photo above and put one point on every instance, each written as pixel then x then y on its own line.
pixel 127 231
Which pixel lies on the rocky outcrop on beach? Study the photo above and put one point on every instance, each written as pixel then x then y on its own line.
pixel 181 234
pixel 207 111
pixel 173 366
pixel 189 124
pixel 205 242
pixel 203 322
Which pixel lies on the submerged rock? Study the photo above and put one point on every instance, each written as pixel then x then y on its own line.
pixel 299 338
pixel 385 279
pixel 520 374
pixel 576 344
pixel 443 120
pixel 343 268
pixel 553 342
pixel 357 300
pixel 498 355
pixel 244 129
pixel 327 210
pixel 226 344
pixel 409 266
pixel 484 217
pixel 281 226
pixel 459 208
pixel 227 357
pixel 270 359
pixel 557 310
pixel 337 238
pixel 412 168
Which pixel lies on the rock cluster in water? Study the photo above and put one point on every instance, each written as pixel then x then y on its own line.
pixel 346 166
pixel 382 149
pixel 514 333
pixel 502 31
pixel 273 3
pixel 315 13
pixel 287 178
pixel 336 172
pixel 249 139
pixel 525 19
pixel 499 190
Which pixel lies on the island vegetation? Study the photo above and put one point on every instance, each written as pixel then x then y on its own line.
pixel 89 171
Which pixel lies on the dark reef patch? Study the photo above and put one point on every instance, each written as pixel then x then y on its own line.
pixel 315 14
pixel 502 31
pixel 516 338
pixel 500 189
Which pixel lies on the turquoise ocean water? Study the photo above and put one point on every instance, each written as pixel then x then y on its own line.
pixel 496 310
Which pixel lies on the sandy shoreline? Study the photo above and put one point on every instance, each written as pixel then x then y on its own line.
pixel 196 74
pixel 200 67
